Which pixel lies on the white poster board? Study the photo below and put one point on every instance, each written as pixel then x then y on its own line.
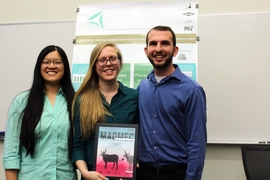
pixel 127 24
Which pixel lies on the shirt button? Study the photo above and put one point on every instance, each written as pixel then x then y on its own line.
pixel 155 115
pixel 155 147
pixel 154 132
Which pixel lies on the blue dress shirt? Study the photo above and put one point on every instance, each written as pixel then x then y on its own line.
pixel 173 122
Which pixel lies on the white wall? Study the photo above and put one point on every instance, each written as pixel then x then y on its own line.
pixel 36 11
pixel 222 162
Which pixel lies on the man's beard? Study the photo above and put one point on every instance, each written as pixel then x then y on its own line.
pixel 160 66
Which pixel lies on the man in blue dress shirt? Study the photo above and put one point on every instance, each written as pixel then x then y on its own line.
pixel 172 139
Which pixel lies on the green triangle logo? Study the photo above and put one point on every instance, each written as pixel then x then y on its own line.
pixel 97 20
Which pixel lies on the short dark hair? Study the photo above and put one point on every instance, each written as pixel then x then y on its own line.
pixel 162 28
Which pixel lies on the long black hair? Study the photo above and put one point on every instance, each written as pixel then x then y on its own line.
pixel 32 112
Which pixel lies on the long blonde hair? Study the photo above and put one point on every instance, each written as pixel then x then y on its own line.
pixel 92 110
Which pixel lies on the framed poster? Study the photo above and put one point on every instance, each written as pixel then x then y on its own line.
pixel 115 153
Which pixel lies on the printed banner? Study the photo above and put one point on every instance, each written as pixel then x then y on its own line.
pixel 127 24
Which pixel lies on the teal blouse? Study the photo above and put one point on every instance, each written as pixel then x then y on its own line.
pixel 123 107
pixel 50 161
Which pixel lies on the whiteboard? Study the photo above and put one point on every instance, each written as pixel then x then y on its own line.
pixel 20 45
pixel 233 68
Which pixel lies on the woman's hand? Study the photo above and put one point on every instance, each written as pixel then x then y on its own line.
pixel 93 175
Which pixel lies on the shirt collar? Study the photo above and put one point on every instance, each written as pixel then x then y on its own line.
pixel 60 91
pixel 122 88
pixel 177 74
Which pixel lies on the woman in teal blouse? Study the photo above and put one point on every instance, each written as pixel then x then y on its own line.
pixel 100 98
pixel 38 135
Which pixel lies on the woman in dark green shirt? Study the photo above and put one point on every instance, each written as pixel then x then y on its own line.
pixel 100 98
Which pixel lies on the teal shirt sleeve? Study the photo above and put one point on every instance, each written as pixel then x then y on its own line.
pixel 12 159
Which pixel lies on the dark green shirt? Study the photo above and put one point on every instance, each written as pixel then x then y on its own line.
pixel 123 107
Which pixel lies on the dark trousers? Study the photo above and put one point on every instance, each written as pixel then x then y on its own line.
pixel 173 172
